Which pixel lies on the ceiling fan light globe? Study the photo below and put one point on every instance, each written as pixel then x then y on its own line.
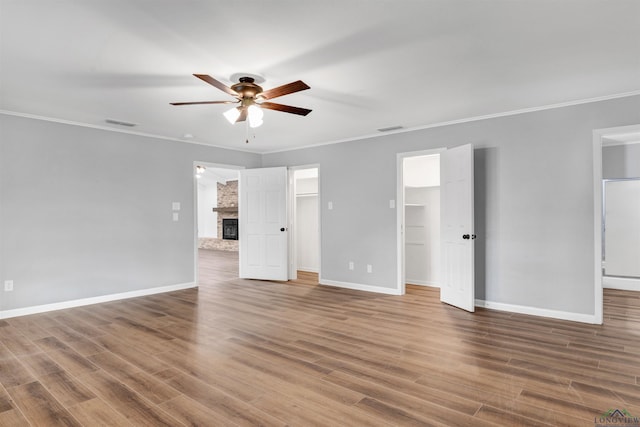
pixel 255 115
pixel 232 115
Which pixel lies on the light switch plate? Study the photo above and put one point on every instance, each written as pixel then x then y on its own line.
pixel 330 205
pixel 175 206
pixel 392 204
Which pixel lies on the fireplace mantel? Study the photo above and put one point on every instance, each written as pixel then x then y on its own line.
pixel 227 209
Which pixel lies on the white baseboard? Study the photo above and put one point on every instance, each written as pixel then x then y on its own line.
pixel 360 287
pixel 422 283
pixel 92 300
pixel 622 283
pixel 534 311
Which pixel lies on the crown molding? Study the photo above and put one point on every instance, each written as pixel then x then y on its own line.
pixel 467 120
pixel 110 129
pixel 355 138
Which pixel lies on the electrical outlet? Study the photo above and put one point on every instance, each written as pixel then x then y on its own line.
pixel 176 216
pixel 351 266
pixel 369 268
pixel 330 205
pixel 8 285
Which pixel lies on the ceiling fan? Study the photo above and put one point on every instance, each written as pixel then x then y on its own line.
pixel 247 94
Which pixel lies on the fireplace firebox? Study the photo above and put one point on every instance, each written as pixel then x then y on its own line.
pixel 230 228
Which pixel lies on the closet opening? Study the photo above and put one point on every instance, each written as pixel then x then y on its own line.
pixel 305 221
pixel 419 219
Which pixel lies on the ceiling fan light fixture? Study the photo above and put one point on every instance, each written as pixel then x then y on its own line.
pixel 232 114
pixel 247 93
pixel 255 115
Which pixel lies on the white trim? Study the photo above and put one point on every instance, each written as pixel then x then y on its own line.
pixel 93 300
pixel 292 258
pixel 597 226
pixel 360 287
pixel 422 283
pixel 308 270
pixel 598 143
pixel 534 311
pixel 127 131
pixel 468 119
pixel 400 249
pixel 623 283
pixel 616 143
pixel 196 237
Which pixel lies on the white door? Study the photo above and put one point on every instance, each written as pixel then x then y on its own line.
pixel 262 223
pixel 456 216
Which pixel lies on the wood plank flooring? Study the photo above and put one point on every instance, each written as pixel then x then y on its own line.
pixel 243 353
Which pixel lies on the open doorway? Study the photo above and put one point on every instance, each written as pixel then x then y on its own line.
pixel 304 241
pixel 419 218
pixel 218 192
pixel 616 166
pixel 216 207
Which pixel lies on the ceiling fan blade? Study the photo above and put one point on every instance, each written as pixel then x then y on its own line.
pixel 203 102
pixel 284 90
pixel 243 115
pixel 285 108
pixel 216 83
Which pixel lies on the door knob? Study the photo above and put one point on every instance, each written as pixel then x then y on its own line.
pixel 469 236
pixel 465 236
pixel 282 229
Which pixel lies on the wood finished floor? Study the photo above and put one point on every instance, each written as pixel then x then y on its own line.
pixel 239 352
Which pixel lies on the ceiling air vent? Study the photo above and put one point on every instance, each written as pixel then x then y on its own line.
pixel 389 129
pixel 120 123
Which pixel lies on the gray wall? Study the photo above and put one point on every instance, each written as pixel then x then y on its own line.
pixel 534 202
pixel 621 161
pixel 87 212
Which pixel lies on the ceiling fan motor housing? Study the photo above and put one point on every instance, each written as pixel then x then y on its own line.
pixel 247 89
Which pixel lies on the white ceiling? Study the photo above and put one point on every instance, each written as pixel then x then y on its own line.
pixel 370 64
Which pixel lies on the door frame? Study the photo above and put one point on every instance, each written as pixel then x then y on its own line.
pixel 400 255
pixel 195 208
pixel 293 272
pixel 599 142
